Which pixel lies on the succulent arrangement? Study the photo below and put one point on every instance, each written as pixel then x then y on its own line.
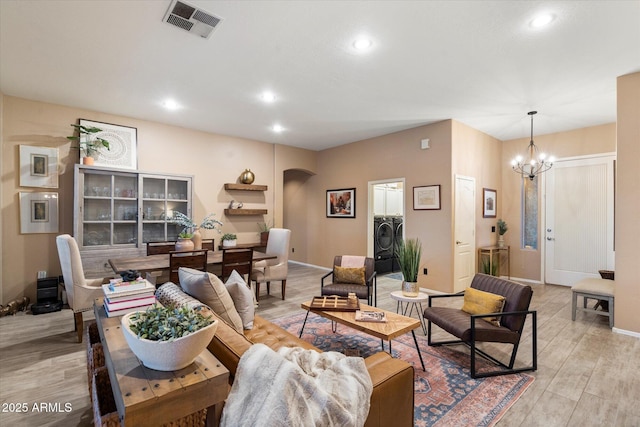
pixel 229 236
pixel 159 323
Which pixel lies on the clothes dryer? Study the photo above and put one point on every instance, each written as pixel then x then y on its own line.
pixel 397 222
pixel 383 243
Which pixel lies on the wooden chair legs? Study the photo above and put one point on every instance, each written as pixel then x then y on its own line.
pixel 77 317
pixel 284 285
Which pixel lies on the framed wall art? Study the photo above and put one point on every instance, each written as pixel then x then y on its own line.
pixel 426 197
pixel 341 203
pixel 489 203
pixel 123 142
pixel 38 212
pixel 38 166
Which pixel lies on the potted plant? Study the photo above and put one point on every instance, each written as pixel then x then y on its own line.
pixel 229 240
pixel 88 142
pixel 502 228
pixel 191 230
pixel 168 338
pixel 264 232
pixel 408 253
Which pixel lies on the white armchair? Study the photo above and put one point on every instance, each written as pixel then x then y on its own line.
pixel 80 291
pixel 277 268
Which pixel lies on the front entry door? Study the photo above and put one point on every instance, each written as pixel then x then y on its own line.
pixel 464 260
pixel 578 235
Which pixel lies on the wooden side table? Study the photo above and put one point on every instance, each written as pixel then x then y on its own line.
pixel 494 258
pixel 146 397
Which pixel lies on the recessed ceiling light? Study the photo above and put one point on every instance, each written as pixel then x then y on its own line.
pixel 362 43
pixel 542 20
pixel 170 104
pixel 277 128
pixel 268 96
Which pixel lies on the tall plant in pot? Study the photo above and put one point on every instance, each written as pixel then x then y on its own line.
pixel 89 143
pixel 409 252
pixel 502 228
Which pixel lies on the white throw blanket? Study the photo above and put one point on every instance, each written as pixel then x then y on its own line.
pixel 298 387
pixel 352 261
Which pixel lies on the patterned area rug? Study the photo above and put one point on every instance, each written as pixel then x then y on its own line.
pixel 445 395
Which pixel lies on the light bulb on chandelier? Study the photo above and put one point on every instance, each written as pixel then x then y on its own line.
pixel 535 163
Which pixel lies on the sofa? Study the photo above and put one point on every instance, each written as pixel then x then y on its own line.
pixel 392 400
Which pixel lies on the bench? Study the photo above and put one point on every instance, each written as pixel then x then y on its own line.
pixel 598 289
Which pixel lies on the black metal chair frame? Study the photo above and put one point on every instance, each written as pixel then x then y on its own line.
pixel 508 369
pixel 372 288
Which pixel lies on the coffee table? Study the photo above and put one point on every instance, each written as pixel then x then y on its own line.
pixel 395 325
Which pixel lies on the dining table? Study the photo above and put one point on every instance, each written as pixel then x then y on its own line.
pixel 160 262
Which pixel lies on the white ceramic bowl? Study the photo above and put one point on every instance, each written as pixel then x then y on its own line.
pixel 165 355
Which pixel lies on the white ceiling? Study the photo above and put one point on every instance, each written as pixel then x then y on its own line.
pixel 478 62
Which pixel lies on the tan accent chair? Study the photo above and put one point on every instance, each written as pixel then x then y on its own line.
pixel 273 269
pixel 80 291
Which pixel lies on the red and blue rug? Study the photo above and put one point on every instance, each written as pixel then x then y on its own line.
pixel 445 395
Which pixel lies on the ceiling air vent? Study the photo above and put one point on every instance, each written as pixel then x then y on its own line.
pixel 191 19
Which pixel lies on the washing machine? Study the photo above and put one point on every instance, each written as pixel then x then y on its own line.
pixel 397 223
pixel 383 244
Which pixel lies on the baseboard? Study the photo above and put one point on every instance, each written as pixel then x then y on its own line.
pixel 533 282
pixel 625 332
pixel 310 265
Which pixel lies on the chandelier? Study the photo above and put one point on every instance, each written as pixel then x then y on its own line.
pixel 534 163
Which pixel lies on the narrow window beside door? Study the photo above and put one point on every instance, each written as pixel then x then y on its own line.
pixel 529 213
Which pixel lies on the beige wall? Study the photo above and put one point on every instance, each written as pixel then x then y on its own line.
pixel 627 293
pixel 477 154
pixel 455 149
pixel 525 263
pixel 212 159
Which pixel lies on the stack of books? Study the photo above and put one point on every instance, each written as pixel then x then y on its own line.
pixel 124 297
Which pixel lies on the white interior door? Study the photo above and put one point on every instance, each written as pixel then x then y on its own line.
pixel 464 259
pixel 578 235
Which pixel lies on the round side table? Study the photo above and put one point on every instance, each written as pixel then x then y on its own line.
pixel 405 304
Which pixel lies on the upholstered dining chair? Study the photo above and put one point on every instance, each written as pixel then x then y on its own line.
pixel 191 259
pixel 269 270
pixel 240 260
pixel 80 291
pixel 351 274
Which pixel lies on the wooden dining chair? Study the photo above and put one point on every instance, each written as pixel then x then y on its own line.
pixel 191 259
pixel 208 244
pixel 156 248
pixel 240 260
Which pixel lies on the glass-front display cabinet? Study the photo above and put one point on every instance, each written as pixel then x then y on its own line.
pixel 125 209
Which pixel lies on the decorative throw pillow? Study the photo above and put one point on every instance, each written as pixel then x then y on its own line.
pixel 242 298
pixel 171 294
pixel 349 275
pixel 481 302
pixel 212 292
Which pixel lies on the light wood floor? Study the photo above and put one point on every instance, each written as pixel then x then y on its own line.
pixel 587 375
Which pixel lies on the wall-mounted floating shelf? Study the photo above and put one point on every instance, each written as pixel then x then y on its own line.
pixel 245 211
pixel 245 187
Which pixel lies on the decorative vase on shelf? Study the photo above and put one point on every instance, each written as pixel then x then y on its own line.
pixel 197 240
pixel 501 241
pixel 184 244
pixel 247 177
pixel 410 289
